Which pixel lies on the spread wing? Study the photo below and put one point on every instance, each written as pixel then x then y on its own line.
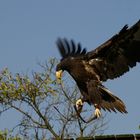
pixel 116 56
pixel 69 48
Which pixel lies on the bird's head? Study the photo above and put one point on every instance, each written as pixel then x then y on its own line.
pixel 70 52
pixel 64 65
pixel 59 71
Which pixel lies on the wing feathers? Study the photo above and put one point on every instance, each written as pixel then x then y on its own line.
pixel 61 48
pixel 69 48
pixel 118 54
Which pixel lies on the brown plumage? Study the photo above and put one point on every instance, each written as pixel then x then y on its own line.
pixel 108 61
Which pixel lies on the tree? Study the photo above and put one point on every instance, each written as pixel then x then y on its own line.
pixel 46 105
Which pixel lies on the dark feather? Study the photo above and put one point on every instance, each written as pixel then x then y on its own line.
pixel 119 53
pixel 61 47
pixel 69 48
pixel 101 96
pixel 112 101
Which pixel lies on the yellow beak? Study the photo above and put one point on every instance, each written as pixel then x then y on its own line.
pixel 59 74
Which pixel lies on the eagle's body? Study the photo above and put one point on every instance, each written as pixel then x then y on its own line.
pixel 108 61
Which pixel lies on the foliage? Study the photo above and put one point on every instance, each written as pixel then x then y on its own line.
pixel 46 105
pixel 6 135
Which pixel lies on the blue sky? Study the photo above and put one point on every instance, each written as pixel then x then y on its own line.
pixel 30 28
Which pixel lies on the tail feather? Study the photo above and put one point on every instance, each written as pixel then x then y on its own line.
pixel 111 102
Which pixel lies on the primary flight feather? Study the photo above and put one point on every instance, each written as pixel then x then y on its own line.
pixel 108 61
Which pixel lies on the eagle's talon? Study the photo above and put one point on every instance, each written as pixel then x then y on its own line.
pixel 79 105
pixel 97 113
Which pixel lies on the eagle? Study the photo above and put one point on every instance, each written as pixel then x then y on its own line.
pixel 108 61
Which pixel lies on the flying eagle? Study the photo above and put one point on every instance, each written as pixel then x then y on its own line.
pixel 108 61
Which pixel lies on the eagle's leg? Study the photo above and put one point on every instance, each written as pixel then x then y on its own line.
pixel 97 112
pixel 79 105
